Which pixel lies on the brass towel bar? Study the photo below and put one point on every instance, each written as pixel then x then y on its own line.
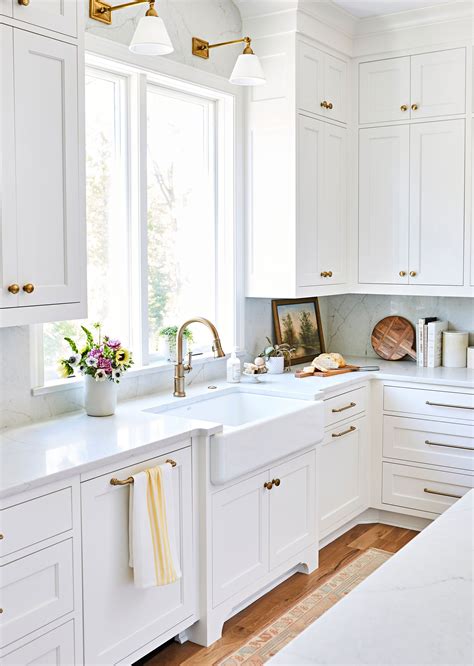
pixel 129 481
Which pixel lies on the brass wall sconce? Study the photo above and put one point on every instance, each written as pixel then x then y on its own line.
pixel 247 70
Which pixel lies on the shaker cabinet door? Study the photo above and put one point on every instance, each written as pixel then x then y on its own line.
pixel 6 7
pixel 57 15
pixel 384 90
pixel 335 88
pixel 310 70
pixel 438 83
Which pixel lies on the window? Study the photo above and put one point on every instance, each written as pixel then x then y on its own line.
pixel 159 170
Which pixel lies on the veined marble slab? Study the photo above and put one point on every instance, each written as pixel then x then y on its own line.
pixel 417 609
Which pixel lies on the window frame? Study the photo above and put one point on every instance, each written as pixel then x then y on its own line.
pixel 115 59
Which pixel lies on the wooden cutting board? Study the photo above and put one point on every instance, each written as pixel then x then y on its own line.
pixel 393 338
pixel 328 373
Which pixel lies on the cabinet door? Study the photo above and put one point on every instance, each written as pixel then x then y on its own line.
pixel 472 199
pixel 56 648
pixel 438 83
pixel 46 116
pixel 384 205
pixel 57 15
pixel 437 202
pixel 343 474
pixel 384 90
pixel 311 64
pixel 335 88
pixel 292 508
pixel 310 206
pixel 120 618
pixel 6 7
pixel 8 227
pixel 239 537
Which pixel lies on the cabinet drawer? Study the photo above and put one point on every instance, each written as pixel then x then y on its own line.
pixel 422 489
pixel 433 442
pixel 345 406
pixel 56 648
pixel 429 403
pixel 35 590
pixel 30 522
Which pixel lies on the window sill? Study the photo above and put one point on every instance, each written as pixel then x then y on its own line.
pixel 58 385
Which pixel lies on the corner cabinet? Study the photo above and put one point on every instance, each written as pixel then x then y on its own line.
pixel 42 225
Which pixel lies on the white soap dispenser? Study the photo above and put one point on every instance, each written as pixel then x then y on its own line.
pixel 233 368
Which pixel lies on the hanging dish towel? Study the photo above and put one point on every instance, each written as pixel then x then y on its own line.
pixel 152 534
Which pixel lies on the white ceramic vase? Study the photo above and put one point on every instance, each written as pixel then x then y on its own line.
pixel 100 398
pixel 275 365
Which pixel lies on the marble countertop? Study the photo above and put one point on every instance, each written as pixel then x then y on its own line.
pixel 71 444
pixel 417 609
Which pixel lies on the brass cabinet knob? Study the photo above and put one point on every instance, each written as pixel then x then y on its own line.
pixel 329 106
pixel 414 107
pixel 404 107
pixel 412 273
pixel 1 610
pixel 324 104
pixel 402 273
pixel 268 485
pixel 24 3
pixel 324 274
pixel 276 482
pixel 329 273
pixel 1 537
pixel 14 288
pixel 29 288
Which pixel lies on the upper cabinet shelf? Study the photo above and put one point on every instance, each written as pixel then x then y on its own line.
pixel 413 87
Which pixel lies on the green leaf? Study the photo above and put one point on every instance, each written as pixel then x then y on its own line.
pixel 89 336
pixel 72 344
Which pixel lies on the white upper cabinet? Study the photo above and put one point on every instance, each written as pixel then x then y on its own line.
pixel 384 90
pixel 412 87
pixel 383 204
pixel 6 7
pixel 57 15
pixel 438 84
pixel 321 83
pixel 437 203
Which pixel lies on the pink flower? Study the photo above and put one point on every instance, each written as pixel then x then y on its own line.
pixel 114 344
pixel 105 364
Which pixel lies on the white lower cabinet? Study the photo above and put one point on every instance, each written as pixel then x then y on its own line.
pixel 119 619
pixel 343 474
pixel 56 648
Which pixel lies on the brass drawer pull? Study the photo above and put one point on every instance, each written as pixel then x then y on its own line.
pixel 437 492
pixel 344 432
pixel 449 446
pixel 268 485
pixel 336 410
pixel 129 481
pixel 444 404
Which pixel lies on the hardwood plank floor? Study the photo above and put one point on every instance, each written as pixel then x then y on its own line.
pixel 253 619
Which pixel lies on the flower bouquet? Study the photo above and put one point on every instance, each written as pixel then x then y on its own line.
pixel 102 362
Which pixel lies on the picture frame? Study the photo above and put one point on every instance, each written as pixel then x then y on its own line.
pixel 289 317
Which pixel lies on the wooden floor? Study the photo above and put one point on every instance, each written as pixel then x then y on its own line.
pixel 253 619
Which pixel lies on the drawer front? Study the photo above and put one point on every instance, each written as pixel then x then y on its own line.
pixel 56 648
pixel 429 403
pixel 28 523
pixel 35 590
pixel 345 406
pixel 423 489
pixel 432 442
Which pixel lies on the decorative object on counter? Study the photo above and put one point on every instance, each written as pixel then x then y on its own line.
pixel 275 355
pixel 393 338
pixel 429 341
pixel 102 363
pixel 470 358
pixel 455 345
pixel 168 342
pixel 328 365
pixel 297 322
pixel 233 368
pixel 255 370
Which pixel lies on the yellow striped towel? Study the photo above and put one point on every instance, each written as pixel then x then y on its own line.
pixel 152 528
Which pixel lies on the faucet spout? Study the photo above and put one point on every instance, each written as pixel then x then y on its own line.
pixel 180 368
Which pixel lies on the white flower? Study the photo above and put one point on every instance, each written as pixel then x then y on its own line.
pixel 100 376
pixel 91 361
pixel 74 359
pixel 116 374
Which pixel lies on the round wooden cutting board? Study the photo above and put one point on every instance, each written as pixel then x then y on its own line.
pixel 393 338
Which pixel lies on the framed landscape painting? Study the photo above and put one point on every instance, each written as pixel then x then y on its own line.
pixel 298 323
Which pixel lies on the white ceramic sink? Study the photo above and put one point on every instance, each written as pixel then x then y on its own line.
pixel 258 428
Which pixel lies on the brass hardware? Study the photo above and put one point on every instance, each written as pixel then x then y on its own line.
pixel 180 368
pixel 324 104
pixel 102 11
pixel 324 274
pixel 329 106
pixel 24 3
pixel 268 485
pixel 1 537
pixel 1 610
pixel 329 273
pixel 444 404
pixel 344 432
pixel 402 273
pixel 14 288
pixel 276 482
pixel 412 273
pixel 129 480
pixel 343 409
pixel 201 48
pixel 404 107
pixel 414 107
pixel 449 446
pixel 437 492
pixel 29 288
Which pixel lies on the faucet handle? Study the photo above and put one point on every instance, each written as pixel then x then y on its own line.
pixel 187 366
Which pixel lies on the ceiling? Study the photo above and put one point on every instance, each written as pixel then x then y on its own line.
pixel 365 8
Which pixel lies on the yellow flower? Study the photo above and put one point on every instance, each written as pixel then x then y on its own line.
pixel 63 370
pixel 122 356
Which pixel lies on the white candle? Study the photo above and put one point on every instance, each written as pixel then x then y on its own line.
pixel 455 349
